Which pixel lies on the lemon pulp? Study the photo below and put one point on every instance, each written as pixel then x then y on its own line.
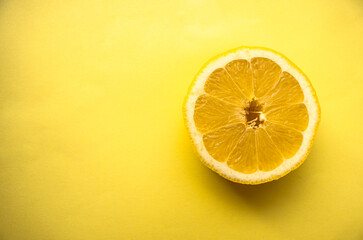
pixel 251 115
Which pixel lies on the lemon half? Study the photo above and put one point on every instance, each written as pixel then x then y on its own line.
pixel 252 115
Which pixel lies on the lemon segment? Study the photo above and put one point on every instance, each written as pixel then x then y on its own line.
pixel 265 75
pixel 286 91
pixel 241 72
pixel 212 113
pixel 221 142
pixel 294 116
pixel 268 156
pixel 221 85
pixel 287 140
pixel 244 156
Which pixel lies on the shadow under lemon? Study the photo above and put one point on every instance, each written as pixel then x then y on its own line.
pixel 263 196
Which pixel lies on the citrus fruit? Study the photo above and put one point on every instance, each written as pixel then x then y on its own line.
pixel 252 115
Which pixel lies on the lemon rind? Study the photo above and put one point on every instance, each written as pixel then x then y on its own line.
pixel 310 99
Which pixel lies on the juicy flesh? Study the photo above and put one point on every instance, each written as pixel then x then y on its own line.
pixel 252 115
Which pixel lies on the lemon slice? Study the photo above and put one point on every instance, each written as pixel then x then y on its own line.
pixel 252 115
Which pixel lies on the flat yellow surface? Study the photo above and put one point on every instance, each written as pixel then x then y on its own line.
pixel 92 141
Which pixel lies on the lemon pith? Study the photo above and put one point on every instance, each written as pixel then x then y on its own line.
pixel 252 115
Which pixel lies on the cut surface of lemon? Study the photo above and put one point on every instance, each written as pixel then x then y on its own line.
pixel 252 115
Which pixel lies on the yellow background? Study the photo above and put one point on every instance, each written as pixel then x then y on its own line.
pixel 92 141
